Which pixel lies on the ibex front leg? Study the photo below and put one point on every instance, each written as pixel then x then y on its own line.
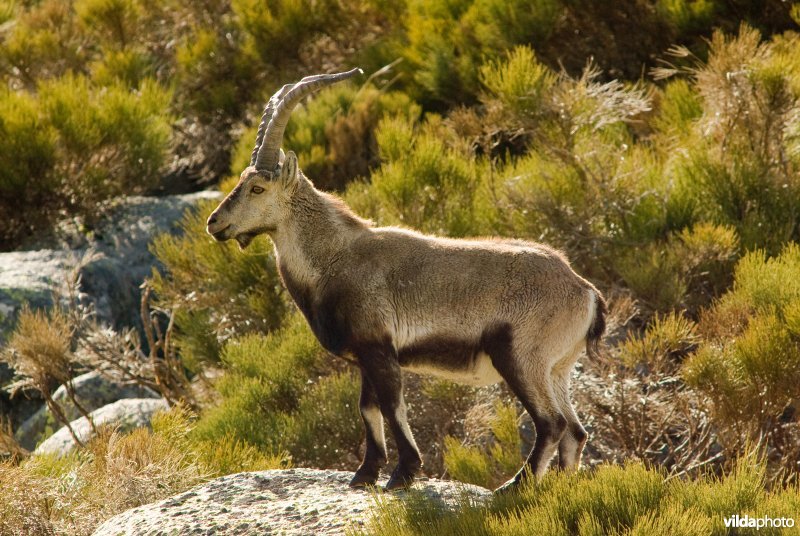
pixel 381 367
pixel 375 451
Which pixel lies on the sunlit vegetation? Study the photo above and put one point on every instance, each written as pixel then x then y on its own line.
pixel 668 176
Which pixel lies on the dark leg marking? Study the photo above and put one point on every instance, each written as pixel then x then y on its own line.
pixel 375 452
pixel 380 365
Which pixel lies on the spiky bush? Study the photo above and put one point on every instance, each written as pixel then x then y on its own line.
pixel 687 16
pixel 125 132
pixel 626 499
pixel 749 363
pixel 492 464
pixel 268 402
pixel 326 430
pixel 447 40
pixel 73 145
pixel 26 167
pixel 423 182
pixel 581 155
pixel 687 270
pixel 211 69
pixel 739 167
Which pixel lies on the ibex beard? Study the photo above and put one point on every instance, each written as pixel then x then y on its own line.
pixel 474 311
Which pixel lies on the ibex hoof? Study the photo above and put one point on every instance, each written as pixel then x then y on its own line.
pixel 401 478
pixel 363 479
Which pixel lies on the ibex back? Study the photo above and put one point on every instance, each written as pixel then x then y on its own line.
pixel 476 311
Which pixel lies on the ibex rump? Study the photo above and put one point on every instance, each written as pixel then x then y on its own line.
pixel 477 311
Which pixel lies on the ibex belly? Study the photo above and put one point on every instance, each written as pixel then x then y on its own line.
pixel 479 373
pixel 451 358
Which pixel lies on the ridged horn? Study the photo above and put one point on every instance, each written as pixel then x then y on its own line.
pixel 269 109
pixel 267 153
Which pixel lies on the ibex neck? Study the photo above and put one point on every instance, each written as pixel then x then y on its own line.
pixel 314 238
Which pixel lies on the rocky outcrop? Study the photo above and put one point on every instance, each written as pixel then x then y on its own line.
pixel 111 279
pixel 125 414
pixel 287 502
pixel 92 390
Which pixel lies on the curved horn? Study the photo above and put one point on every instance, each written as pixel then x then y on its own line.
pixel 272 103
pixel 268 153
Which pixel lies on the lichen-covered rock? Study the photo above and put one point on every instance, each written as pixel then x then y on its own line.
pixel 127 414
pixel 92 390
pixel 111 279
pixel 287 502
pixel 28 277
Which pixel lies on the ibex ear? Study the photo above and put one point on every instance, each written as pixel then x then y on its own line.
pixel 289 171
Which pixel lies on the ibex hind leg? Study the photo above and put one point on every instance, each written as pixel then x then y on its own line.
pixel 572 442
pixel 539 401
pixel 534 389
pixel 383 370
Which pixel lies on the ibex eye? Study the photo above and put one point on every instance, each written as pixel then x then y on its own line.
pixel 257 189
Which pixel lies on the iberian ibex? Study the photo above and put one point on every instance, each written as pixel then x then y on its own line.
pixel 476 311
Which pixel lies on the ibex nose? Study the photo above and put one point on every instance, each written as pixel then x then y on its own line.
pixel 213 225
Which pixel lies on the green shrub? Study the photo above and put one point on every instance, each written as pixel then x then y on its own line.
pixel 667 339
pixel 630 500
pixel 447 41
pixel 227 455
pixel 326 430
pixel 7 10
pixel 584 185
pixel 519 82
pixel 275 31
pixel 45 42
pixel 737 168
pixel 491 465
pixel 214 75
pixel 422 183
pixel 499 25
pixel 27 180
pixel 128 67
pixel 687 16
pixel 440 64
pixel 678 107
pixel 279 396
pixel 126 133
pixel 749 366
pixel 282 32
pixel 768 283
pixel 116 22
pixel 73 145
pixel 263 385
pixel 688 270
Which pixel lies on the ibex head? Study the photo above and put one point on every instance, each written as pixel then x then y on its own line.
pixel 261 199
